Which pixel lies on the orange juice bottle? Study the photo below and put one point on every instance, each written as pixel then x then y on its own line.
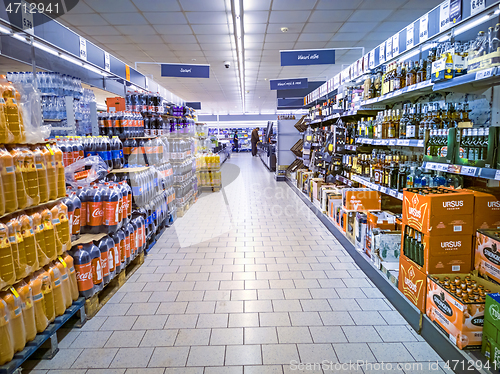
pixel 61 180
pixel 64 227
pixel 23 199
pixel 49 234
pixel 15 309
pixel 7 272
pixel 4 132
pixel 9 180
pixel 50 161
pixel 56 222
pixel 6 338
pixel 39 239
pixel 41 171
pixel 13 114
pixel 28 233
pixel 17 244
pixel 70 268
pixel 48 295
pixel 35 283
pixel 2 196
pixel 65 283
pixel 31 177
pixel 24 291
pixel 57 289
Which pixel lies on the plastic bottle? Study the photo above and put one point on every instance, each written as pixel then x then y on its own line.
pixel 57 289
pixel 13 114
pixel 47 295
pixel 71 212
pixel 28 233
pixel 26 294
pixel 50 161
pixel 41 171
pixel 75 231
pixel 95 256
pixel 7 272
pixel 110 204
pixel 35 283
pixel 49 234
pixel 70 269
pixel 17 246
pixel 39 238
pixel 116 251
pixel 94 210
pixel 14 307
pixel 104 250
pixel 20 187
pixel 117 153
pixel 64 229
pixel 83 268
pixel 61 180
pixel 111 256
pixel 65 282
pixel 123 248
pixel 81 193
pixel 56 222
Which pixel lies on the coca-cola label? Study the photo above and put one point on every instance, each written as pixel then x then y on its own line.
pixel 127 246
pixel 104 263
pixel 111 213
pixel 95 213
pixel 117 255
pixel 96 270
pixel 123 251
pixel 84 277
pixel 111 262
pixel 133 243
pixel 83 215
pixel 76 222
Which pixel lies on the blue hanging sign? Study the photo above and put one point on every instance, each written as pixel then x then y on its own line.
pixel 185 71
pixel 288 84
pixel 307 57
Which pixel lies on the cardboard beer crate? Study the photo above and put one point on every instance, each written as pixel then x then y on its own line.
pixel 461 321
pixel 439 213
pixel 361 199
pixel 491 329
pixel 486 256
pixel 378 220
pixel 412 282
pixel 484 62
pixel 386 247
pixel 486 208
pixel 447 154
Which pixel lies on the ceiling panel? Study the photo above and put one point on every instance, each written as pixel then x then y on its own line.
pixel 136 30
pixel 254 28
pixel 157 5
pixel 283 37
pixel 315 37
pixel 179 38
pixel 126 19
pixel 165 18
pixel 330 15
pixel 172 29
pixel 357 27
pixel 256 17
pixel 110 7
pixel 211 29
pixel 322 27
pixel 75 20
pixel 288 16
pixel 202 5
pixel 99 30
pixel 201 18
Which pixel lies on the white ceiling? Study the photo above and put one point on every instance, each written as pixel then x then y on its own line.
pixel 201 32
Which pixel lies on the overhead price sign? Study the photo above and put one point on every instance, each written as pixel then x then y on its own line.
pixel 307 57
pixel 410 40
pixel 444 16
pixel 423 33
pixel 455 11
pixel 288 84
pixel 185 70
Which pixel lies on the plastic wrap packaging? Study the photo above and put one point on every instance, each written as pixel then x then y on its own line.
pixel 65 282
pixel 83 268
pixel 43 259
pixel 8 180
pixel 57 229
pixel 15 310
pixel 23 200
pixel 35 282
pixel 25 292
pixel 50 161
pixel 6 338
pixel 61 180
pixel 18 248
pixel 30 245
pixel 70 269
pixel 30 103
pixel 7 272
pixel 57 288
pixel 60 211
pixel 98 169
pixel 48 295
pixel 41 171
pixel 31 176
pixel 49 234
pixel 11 116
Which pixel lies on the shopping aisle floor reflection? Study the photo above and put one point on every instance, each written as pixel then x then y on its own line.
pixel 248 281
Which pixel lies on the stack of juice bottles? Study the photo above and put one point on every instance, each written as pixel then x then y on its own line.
pixel 208 170
pixel 208 161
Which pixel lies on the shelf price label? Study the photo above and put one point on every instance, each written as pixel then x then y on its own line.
pixel 107 64
pixel 83 48
pixel 420 143
pixel 366 58
pixel 486 73
pixel 395 45
pixel 371 59
pixel 393 193
pixel 423 33
pixel 410 40
pixel 381 53
pixel 497 175
pixel 400 196
pixel 477 6
pixel 388 49
pixel 444 16
pixel 404 142
pixel 452 169
pixel 27 17
pixel 392 141
pixel 412 87
pixel 469 171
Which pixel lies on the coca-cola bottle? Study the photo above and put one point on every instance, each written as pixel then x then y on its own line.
pixel 104 250
pixel 83 268
pixel 75 230
pixel 94 210
pixel 95 257
pixel 111 205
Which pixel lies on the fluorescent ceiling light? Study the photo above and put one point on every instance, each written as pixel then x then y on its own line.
pixel 469 26
pixel 45 48
pixel 20 37
pixel 5 30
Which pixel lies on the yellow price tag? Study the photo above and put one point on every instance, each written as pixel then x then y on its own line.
pixel 50 149
pixel 14 292
pixel 330 147
pixel 62 261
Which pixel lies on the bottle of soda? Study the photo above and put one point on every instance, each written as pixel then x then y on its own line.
pixel 132 228
pixel 117 152
pixel 116 252
pixel 95 256
pixel 147 126
pixel 71 212
pixel 104 250
pixel 81 194
pixel 111 256
pixel 83 268
pixel 123 248
pixel 76 224
pixel 94 210
pixel 111 206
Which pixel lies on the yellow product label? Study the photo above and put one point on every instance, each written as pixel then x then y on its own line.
pixel 14 292
pixel 19 237
pixel 330 147
pixel 62 261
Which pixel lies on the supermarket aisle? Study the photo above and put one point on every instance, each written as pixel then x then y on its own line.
pixel 249 277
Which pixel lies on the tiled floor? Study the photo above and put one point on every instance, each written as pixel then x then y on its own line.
pixel 249 281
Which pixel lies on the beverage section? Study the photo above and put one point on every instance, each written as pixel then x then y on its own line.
pixel 399 157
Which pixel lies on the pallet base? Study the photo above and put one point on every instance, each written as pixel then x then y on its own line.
pixel 96 302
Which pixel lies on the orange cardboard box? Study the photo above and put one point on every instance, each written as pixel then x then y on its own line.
pixel 486 209
pixel 439 214
pixel 486 256
pixel 462 322
pixel 378 220
pixel 361 199
pixel 412 283
pixel 115 104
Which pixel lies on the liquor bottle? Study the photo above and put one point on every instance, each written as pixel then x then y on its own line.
pixel 380 120
pixel 398 77
pixel 420 250
pixel 411 75
pixel 464 144
pixel 429 149
pixel 402 79
pixel 370 128
pixel 474 146
pixel 402 122
pixel 423 125
pixel 448 66
pixel 439 180
pixel 421 72
pixel 484 143
pixel 372 90
pixel 430 59
pixel 391 128
pixel 411 125
pixel 410 178
pixel 495 40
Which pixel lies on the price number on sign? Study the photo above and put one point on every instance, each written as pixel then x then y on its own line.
pixel 423 34
pixel 497 175
pixel 477 6
pixel 484 73
pixel 469 171
pixel 410 42
pixel 83 49
pixel 107 64
pixel 444 15
pixel 393 193
pixel 395 45
pixel 371 59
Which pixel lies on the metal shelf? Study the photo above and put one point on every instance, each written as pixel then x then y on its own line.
pixel 376 187
pixel 392 142
pixel 470 171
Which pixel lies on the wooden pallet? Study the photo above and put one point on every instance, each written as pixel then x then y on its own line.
pixel 96 302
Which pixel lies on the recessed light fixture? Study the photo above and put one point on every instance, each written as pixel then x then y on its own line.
pixel 284 29
pixel 193 59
